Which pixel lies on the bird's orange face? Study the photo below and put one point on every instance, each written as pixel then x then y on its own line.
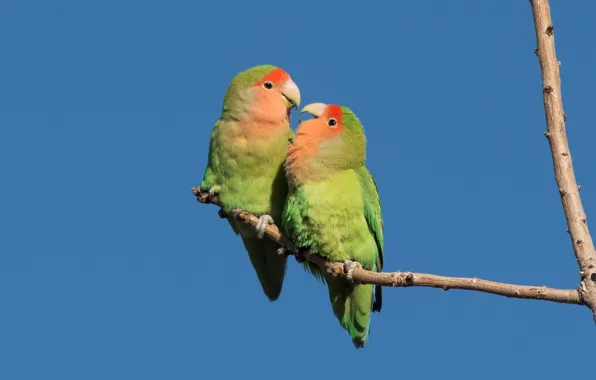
pixel 275 94
pixel 310 136
pixel 327 123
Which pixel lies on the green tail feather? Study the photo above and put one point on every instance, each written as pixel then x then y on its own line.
pixel 352 307
pixel 270 267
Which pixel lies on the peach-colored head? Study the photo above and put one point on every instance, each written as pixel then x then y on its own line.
pixel 334 140
pixel 263 94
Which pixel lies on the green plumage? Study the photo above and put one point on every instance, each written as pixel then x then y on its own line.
pixel 337 214
pixel 246 170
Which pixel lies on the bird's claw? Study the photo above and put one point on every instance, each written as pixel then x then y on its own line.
pixel 283 252
pixel 236 212
pixel 349 267
pixel 206 196
pixel 264 221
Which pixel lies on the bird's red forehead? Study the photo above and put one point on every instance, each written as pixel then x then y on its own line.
pixel 276 76
pixel 319 128
pixel 334 111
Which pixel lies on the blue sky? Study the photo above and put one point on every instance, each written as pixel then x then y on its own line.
pixel 109 269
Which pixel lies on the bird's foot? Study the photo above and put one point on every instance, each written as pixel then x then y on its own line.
pixel 236 212
pixel 283 252
pixel 205 196
pixel 264 221
pixel 349 267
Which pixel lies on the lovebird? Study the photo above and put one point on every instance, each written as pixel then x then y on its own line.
pixel 333 209
pixel 245 164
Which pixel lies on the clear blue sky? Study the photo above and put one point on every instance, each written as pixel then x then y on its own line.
pixel 109 268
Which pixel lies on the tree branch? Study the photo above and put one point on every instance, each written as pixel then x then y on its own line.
pixel 401 279
pixel 581 240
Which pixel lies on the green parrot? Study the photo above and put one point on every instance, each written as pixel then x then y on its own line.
pixel 333 209
pixel 245 165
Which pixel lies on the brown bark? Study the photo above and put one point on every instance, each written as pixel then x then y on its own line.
pixel 581 240
pixel 404 279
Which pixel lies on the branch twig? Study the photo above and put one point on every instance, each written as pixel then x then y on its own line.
pixel 404 279
pixel 581 240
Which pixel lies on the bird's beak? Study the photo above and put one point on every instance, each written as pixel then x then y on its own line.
pixel 292 93
pixel 315 109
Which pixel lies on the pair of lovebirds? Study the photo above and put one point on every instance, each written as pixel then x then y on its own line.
pixel 314 184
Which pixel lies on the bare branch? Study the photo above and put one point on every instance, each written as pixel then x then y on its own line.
pixel 405 279
pixel 581 240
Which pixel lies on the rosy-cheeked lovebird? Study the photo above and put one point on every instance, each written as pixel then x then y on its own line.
pixel 245 166
pixel 333 209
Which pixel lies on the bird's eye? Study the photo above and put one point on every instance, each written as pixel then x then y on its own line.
pixel 332 123
pixel 268 85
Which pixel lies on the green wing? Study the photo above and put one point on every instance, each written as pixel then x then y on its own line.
pixel 372 210
pixel 372 213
